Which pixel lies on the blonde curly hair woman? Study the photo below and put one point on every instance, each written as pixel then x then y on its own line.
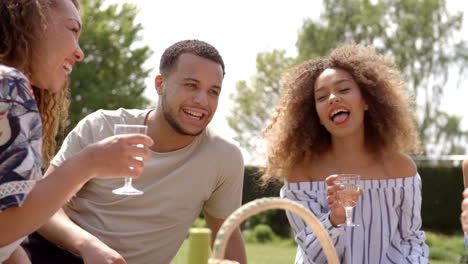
pixel 38 48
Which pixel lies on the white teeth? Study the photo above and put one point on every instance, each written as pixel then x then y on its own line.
pixel 194 117
pixel 337 111
pixel 68 68
pixel 194 114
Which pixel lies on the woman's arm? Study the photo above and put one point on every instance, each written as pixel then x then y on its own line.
pixel 465 173
pixel 413 245
pixel 62 231
pixel 111 157
pixel 464 204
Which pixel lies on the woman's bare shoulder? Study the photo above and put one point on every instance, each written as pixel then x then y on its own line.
pixel 305 171
pixel 400 165
pixel 298 172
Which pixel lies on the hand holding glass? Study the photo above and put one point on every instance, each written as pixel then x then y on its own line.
pixel 349 195
pixel 120 129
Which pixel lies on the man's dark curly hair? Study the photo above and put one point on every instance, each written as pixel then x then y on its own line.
pixel 196 47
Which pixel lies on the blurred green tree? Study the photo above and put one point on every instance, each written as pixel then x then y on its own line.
pixel 112 73
pixel 421 36
pixel 253 104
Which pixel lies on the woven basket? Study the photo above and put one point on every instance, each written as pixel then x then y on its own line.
pixel 260 205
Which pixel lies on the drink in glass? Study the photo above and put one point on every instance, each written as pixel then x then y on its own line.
pixel 349 195
pixel 120 129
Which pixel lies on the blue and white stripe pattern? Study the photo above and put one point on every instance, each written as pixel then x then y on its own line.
pixel 389 215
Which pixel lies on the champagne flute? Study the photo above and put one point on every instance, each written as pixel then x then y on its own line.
pixel 120 129
pixel 349 195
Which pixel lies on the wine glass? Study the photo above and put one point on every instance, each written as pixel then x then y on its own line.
pixel 120 129
pixel 349 195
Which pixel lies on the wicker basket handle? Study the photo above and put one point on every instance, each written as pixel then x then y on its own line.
pixel 260 205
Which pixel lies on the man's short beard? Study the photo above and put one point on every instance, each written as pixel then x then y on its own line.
pixel 172 122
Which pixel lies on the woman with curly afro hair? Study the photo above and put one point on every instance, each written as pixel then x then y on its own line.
pixel 349 113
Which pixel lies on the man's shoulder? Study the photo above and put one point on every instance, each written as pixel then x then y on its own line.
pixel 222 150
pixel 220 142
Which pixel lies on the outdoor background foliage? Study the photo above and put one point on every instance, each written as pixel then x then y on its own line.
pixel 420 35
pixel 112 74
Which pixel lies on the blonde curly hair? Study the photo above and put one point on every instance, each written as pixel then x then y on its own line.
pixel 22 22
pixel 295 131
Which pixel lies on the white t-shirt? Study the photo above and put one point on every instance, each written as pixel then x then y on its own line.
pixel 205 175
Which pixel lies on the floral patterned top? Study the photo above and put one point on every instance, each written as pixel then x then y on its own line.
pixel 20 138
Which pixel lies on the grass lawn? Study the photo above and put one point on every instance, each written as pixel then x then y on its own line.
pixel 256 254
pixel 446 249
pixel 443 250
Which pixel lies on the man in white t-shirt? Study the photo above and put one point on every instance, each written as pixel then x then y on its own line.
pixel 192 170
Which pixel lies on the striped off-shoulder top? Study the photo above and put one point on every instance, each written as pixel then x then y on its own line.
pixel 389 215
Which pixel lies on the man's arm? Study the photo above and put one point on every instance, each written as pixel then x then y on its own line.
pixel 62 231
pixel 235 249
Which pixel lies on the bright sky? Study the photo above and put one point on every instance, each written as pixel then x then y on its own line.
pixel 239 30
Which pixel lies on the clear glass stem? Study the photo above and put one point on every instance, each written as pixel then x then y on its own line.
pixel 128 182
pixel 349 216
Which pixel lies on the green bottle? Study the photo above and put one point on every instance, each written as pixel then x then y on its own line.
pixel 199 245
